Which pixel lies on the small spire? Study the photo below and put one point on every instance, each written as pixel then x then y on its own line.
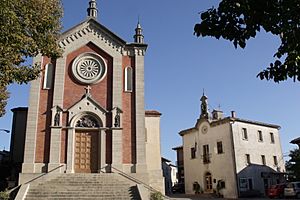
pixel 92 10
pixel 138 37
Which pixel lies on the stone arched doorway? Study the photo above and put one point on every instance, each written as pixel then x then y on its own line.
pixel 87 138
pixel 208 182
pixel 87 145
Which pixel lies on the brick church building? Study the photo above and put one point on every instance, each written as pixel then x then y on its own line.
pixel 86 111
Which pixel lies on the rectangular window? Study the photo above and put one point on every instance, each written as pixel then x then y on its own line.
pixel 275 160
pixel 263 159
pixel 260 136
pixel 220 147
pixel 193 152
pixel 128 79
pixel 272 138
pixel 244 134
pixel 206 155
pixel 248 161
pixel 243 184
pixel 48 76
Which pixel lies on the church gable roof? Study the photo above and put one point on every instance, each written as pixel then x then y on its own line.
pixel 91 26
pixel 88 103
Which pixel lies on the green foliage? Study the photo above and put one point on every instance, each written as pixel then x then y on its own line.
pixel 27 28
pixel 4 195
pixel 156 196
pixel 4 95
pixel 240 20
pixel 293 165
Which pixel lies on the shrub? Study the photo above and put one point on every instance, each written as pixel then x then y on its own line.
pixel 4 195
pixel 156 196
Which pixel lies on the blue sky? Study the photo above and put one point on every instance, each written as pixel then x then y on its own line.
pixel 179 65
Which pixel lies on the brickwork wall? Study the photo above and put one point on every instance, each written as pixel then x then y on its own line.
pixel 128 106
pixel 44 119
pixel 64 140
pixel 101 92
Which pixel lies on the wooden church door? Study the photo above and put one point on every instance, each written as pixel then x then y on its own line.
pixel 86 151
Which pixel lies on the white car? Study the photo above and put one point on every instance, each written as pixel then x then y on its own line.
pixel 292 190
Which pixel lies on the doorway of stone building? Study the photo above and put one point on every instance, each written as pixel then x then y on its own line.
pixel 86 151
pixel 208 182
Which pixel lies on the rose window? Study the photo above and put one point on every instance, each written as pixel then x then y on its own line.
pixel 89 68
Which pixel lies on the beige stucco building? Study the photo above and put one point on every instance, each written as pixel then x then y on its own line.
pixel 243 157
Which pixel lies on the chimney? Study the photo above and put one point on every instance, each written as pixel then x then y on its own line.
pixel 233 114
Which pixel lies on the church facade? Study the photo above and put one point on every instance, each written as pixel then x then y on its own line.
pixel 86 111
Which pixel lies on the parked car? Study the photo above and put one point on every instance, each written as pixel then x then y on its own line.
pixel 292 190
pixel 276 191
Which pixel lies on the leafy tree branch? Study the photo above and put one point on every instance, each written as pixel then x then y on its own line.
pixel 240 20
pixel 27 28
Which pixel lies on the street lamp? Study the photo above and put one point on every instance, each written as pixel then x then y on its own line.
pixel 5 130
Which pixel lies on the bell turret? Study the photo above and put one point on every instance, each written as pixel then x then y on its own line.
pixel 139 37
pixel 92 10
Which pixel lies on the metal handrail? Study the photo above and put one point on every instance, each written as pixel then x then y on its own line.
pixel 138 181
pixel 36 178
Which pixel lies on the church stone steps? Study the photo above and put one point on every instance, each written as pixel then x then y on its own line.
pixel 84 186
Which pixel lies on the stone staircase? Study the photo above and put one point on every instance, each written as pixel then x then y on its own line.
pixel 109 186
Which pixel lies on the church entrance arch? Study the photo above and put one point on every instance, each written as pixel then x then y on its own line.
pixel 87 148
pixel 208 182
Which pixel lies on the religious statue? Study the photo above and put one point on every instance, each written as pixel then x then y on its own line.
pixel 87 122
pixel 203 108
pixel 57 118
pixel 117 119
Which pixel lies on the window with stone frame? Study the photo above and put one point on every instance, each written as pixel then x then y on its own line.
pixel 272 138
pixel 244 134
pixel 247 157
pixel 263 159
pixel 48 76
pixel 275 160
pixel 128 79
pixel 220 147
pixel 260 136
pixel 206 154
pixel 193 153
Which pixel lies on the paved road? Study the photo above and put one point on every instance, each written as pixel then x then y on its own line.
pixel 202 197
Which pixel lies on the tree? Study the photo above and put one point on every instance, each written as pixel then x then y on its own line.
pixel 293 165
pixel 240 20
pixel 27 28
pixel 4 95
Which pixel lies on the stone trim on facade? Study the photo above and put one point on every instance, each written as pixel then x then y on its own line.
pixel 152 113
pixel 227 120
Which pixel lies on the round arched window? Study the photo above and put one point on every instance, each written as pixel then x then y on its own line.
pixel 89 68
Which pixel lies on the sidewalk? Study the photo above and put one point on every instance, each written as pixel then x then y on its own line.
pixel 191 196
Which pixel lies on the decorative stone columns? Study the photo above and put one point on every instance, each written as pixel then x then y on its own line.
pixel 55 141
pixel 31 129
pixel 117 136
pixel 140 113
